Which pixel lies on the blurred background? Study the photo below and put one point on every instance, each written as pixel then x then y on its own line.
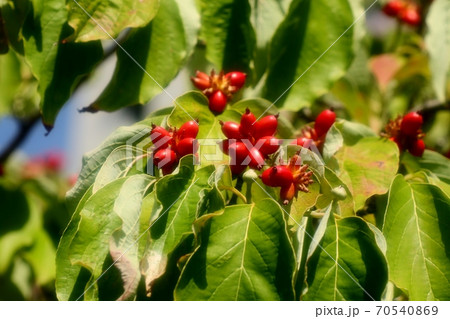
pixel 38 167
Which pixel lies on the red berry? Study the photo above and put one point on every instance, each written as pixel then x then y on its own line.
pixel 54 161
pixel 256 158
pixel 304 142
pixel 218 102
pixel 160 137
pixel 231 130
pixel 324 122
pixel 287 193
pixel 396 141
pixel 237 169
pixel 267 126
pixel 202 75
pixel 237 79
pixel 247 120
pixel 393 8
pixel 410 15
pixel 411 123
pixel 188 129
pixel 201 84
pixel 187 146
pixel 417 148
pixel 238 153
pixel 266 177
pixel 224 146
pixel 165 158
pixel 270 146
pixel 282 176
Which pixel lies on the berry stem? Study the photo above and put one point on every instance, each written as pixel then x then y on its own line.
pixel 238 187
pixel 234 191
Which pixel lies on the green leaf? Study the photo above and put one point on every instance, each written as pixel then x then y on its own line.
pixel 438 46
pixel 352 132
pixel 14 14
pixel 71 279
pixel 348 265
pixel 194 105
pixel 416 227
pixel 334 189
pixel 176 207
pixel 113 208
pixel 20 217
pixel 123 161
pixel 368 167
pixel 101 19
pixel 228 33
pixel 160 48
pixel 265 18
pixel 431 161
pixel 308 52
pixel 93 161
pixel 10 81
pixel 58 66
pixel 41 257
pixel 333 142
pixel 244 255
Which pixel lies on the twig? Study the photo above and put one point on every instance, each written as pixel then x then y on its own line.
pixel 25 128
pixel 431 107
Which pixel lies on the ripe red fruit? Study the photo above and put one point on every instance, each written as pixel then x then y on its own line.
pixel 188 129
pixel 411 123
pixel 282 176
pixel 54 161
pixel 238 153
pixel 202 75
pixel 267 126
pixel 410 15
pixel 165 158
pixel 256 158
pixel 270 146
pixel 237 79
pixel 160 137
pixel 187 146
pixel 218 102
pixel 324 121
pixel 304 142
pixel 247 120
pixel 157 133
pixel 393 7
pixel 231 130
pixel 201 84
pixel 417 148
pixel 237 169
pixel 224 146
pixel 287 193
pixel 266 177
pixel 396 141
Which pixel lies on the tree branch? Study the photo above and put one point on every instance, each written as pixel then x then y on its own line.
pixel 25 128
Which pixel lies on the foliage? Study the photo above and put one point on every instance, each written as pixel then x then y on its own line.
pixel 375 217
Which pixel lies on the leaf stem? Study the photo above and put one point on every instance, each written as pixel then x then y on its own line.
pixel 234 191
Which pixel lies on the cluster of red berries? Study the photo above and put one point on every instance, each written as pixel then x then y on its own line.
pixel 316 136
pixel 219 88
pixel 406 133
pixel 405 11
pixel 171 145
pixel 250 142
pixel 292 178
